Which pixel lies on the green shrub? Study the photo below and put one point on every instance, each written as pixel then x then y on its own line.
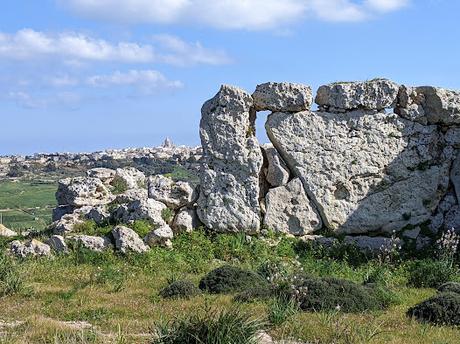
pixel 10 279
pixel 119 185
pixel 255 293
pixel 212 327
pixel 141 227
pixel 227 279
pixel 326 294
pixel 180 289
pixel 441 309
pixel 430 273
pixel 450 287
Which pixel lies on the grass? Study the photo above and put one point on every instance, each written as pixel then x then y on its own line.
pixel 119 295
pixel 27 203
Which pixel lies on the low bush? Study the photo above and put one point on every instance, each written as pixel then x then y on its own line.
pixel 327 294
pixel 142 227
pixel 212 327
pixel 262 292
pixel 429 273
pixel 180 289
pixel 450 287
pixel 119 185
pixel 227 279
pixel 441 309
pixel 167 215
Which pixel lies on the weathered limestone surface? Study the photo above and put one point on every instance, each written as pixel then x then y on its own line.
pixel 93 243
pixel 282 96
pixel 160 236
pixel 377 94
pixel 133 178
pixel 82 191
pixel 276 173
pixel 174 194
pixel 289 210
pixel 147 209
pixel 127 240
pixel 6 232
pixel 365 172
pixel 186 220
pixel 229 195
pixel 30 248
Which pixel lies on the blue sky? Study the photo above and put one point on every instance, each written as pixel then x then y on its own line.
pixel 84 75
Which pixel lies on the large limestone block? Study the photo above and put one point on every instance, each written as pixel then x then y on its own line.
pixel 375 94
pixel 289 210
pixel 82 191
pixel 6 232
pixel 229 196
pixel 364 172
pixel 427 104
pixel 186 220
pixel 282 96
pixel 133 178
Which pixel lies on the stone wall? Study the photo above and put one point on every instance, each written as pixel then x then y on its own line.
pixel 376 158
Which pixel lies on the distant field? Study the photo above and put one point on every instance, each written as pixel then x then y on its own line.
pixel 27 203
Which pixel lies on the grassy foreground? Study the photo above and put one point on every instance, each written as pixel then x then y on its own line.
pixel 119 295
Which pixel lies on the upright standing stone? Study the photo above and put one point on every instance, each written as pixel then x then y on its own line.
pixel 229 197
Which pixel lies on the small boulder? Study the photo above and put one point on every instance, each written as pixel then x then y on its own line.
pixel 106 175
pixel 276 172
pixel 133 178
pixel 82 191
pixel 282 96
pixel 174 194
pixel 92 243
pixel 377 94
pixel 32 248
pixel 147 209
pixel 66 224
pixel 161 236
pixel 186 220
pixel 128 240
pixel 57 243
pixel 6 232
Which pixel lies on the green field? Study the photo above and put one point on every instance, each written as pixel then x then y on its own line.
pixel 27 204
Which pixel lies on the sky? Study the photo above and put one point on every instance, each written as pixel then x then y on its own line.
pixel 87 75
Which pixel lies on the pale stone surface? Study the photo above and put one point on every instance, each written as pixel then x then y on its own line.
pixel 427 104
pixel 131 195
pixel 364 172
pixel 32 247
pixel 377 94
pixel 229 195
pixel 282 96
pixel 82 191
pixel 106 175
pixel 6 232
pixel 66 224
pixel 174 194
pixel 276 173
pixel 57 243
pixel 134 178
pixel 161 236
pixel 93 243
pixel 371 244
pixel 147 209
pixel 186 220
pixel 289 210
pixel 127 240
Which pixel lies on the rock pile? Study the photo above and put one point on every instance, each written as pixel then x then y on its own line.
pixel 109 197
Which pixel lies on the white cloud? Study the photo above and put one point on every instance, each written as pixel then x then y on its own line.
pixel 231 14
pixel 147 80
pixel 62 81
pixel 28 43
pixel 183 53
pixel 75 48
pixel 34 100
